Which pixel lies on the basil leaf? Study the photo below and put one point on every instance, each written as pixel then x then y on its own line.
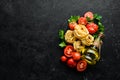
pixel 62 44
pixel 98 17
pixel 73 19
pixel 61 34
pixel 101 27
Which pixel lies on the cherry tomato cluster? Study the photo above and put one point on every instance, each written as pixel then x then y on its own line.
pixel 91 26
pixel 73 59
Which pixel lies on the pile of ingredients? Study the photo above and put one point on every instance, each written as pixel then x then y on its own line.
pixel 82 41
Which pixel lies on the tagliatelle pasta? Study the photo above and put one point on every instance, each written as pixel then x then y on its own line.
pixel 88 40
pixel 69 36
pixel 80 31
pixel 78 46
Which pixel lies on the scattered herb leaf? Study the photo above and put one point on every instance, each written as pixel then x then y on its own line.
pixel 101 27
pixel 98 17
pixel 61 34
pixel 95 35
pixel 73 18
pixel 62 44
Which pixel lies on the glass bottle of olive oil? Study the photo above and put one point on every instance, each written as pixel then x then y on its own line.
pixel 92 53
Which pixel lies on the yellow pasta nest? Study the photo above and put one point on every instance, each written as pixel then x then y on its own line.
pixel 79 37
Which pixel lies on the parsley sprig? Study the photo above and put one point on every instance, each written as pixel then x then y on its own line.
pixel 73 19
pixel 61 36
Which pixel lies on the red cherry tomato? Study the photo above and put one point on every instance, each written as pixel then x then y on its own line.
pixel 81 65
pixel 71 63
pixel 63 58
pixel 72 25
pixel 89 14
pixel 68 50
pixel 82 20
pixel 76 55
pixel 92 28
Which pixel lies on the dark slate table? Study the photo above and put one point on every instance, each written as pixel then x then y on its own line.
pixel 29 39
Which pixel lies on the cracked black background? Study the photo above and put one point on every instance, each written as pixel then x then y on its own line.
pixel 29 39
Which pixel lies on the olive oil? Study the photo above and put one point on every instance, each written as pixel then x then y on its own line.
pixel 92 53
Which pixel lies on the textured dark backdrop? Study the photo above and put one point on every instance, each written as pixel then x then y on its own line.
pixel 29 39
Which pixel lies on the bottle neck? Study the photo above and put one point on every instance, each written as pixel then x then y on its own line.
pixel 97 42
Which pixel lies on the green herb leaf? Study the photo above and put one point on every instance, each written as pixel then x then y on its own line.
pixel 61 34
pixel 98 17
pixel 101 27
pixel 95 35
pixel 62 44
pixel 73 19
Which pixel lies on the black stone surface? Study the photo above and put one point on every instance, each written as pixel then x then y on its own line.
pixel 29 39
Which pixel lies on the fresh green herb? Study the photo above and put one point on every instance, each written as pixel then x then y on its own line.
pixel 101 27
pixel 73 18
pixel 97 20
pixel 62 44
pixel 97 17
pixel 61 36
pixel 95 35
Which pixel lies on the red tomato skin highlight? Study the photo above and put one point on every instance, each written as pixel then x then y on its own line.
pixel 81 65
pixel 82 20
pixel 92 27
pixel 76 55
pixel 68 50
pixel 63 58
pixel 71 63
pixel 89 14
pixel 72 25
